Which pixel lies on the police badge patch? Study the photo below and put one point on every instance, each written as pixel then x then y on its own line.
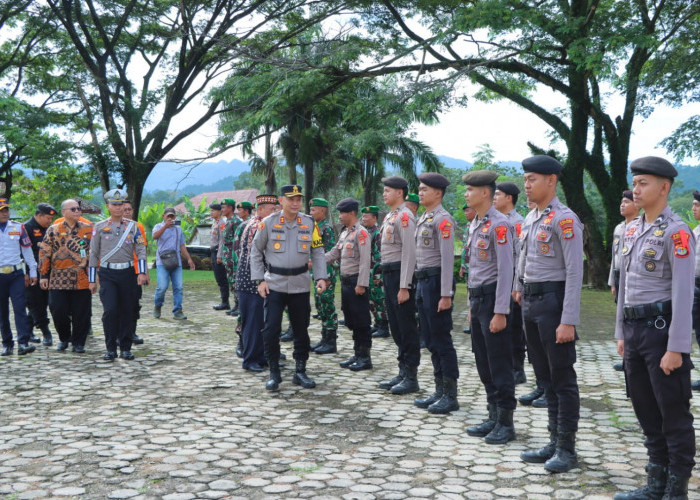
pixel 650 265
pixel 501 235
pixel 567 228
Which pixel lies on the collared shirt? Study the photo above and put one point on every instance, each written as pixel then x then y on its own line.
pixel 354 251
pixel 490 248
pixel 657 265
pixel 64 256
pixel 398 242
pixel 15 245
pixel 243 281
pixel 228 235
pixel 171 239
pixel 106 235
pixel 435 245
pixel 215 234
pixel 36 233
pixel 222 225
pixel 329 240
pixel 287 244
pixel 616 252
pixel 552 250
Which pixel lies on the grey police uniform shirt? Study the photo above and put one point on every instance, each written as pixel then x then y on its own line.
pixel 696 232
pixel 516 221
pixel 435 234
pixel 215 235
pixel 354 251
pixel 106 235
pixel 398 242
pixel 490 247
pixel 552 250
pixel 658 261
pixel 288 245
pixel 616 252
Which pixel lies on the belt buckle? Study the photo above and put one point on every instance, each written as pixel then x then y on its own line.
pixel 7 269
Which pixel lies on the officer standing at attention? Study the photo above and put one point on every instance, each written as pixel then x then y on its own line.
pixel 412 203
pixel 218 267
pixel 490 251
pixel 370 214
pixel 112 247
pixel 435 289
pixel 469 214
pixel 37 298
pixel 398 259
pixel 551 266
pixel 653 330
pixel 325 301
pixel 15 245
pixel 354 252
pixel 285 242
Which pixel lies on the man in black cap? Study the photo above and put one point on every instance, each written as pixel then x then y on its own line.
pixel 551 270
pixel 216 265
pixel 37 298
pixel 653 330
pixel 354 252
pixel 435 289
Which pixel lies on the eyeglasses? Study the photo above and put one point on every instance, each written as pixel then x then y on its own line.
pixel 75 209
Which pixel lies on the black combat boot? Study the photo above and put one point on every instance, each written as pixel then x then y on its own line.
pixel 448 402
pixel 388 384
pixel 409 384
pixel 273 383
pixel 564 458
pixel 543 454
pixel 519 376
pixel 239 347
pixel 654 490
pixel 46 333
pixel 434 397
pixel 487 425
pixel 320 342
pixel 504 430
pixel 330 346
pixel 382 331
pixel 363 361
pixel 528 398
pixel 287 336
pixel 350 361
pixel 300 377
pixel 676 488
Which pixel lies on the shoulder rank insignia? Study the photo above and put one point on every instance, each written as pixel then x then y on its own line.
pixel 550 216
pixel 486 227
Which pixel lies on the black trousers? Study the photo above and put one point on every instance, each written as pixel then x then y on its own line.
pixel 37 304
pixel 661 402
pixel 402 320
pixel 70 312
pixel 220 276
pixel 117 292
pixel 252 321
pixel 518 335
pixel 12 290
pixel 493 353
pixel 553 363
pixel 356 311
pixel 299 315
pixel 436 326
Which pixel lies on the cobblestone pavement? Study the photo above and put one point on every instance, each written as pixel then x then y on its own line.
pixel 184 421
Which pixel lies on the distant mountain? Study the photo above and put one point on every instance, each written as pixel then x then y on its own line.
pixel 183 177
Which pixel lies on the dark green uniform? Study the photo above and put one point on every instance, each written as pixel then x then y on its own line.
pixel 376 285
pixel 325 301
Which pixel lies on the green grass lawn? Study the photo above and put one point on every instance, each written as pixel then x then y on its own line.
pixel 189 276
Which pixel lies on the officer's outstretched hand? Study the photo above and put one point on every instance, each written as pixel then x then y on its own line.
pixel 359 290
pixel 565 333
pixel 92 287
pixel 444 304
pixel 263 289
pixel 671 361
pixel 498 323
pixel 403 295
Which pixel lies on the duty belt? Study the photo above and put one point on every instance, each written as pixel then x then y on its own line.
pixel 427 272
pixel 11 269
pixel 349 280
pixel 292 271
pixel 543 287
pixel 391 266
pixel 117 265
pixel 481 290
pixel 645 311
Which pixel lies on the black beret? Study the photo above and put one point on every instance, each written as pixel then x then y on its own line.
pixel 542 164
pixel 628 194
pixel 46 209
pixel 508 188
pixel 347 205
pixel 395 182
pixel 653 165
pixel 291 190
pixel 215 206
pixel 480 177
pixel 434 180
pixel 696 195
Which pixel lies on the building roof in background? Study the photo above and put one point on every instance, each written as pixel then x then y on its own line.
pixel 216 196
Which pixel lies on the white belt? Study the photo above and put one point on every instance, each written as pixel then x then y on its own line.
pixel 123 265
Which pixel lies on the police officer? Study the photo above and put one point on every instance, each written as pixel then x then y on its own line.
pixel 435 289
pixel 490 251
pixel 412 203
pixel 216 265
pixel 228 257
pixel 285 241
pixel 469 214
pixel 37 298
pixel 354 252
pixel 370 214
pixel 325 301
pixel 398 260
pixel 653 328
pixel 551 267
pixel 112 247
pixel 15 245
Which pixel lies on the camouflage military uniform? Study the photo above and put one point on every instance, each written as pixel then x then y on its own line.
pixel 376 285
pixel 325 301
pixel 228 257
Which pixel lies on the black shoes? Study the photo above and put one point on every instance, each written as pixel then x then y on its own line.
pixel 300 377
pixel 527 399
pixel 79 349
pixel 233 312
pixel 564 458
pixel 287 336
pixel 657 478
pixel 519 377
pixel 126 355
pixel 23 349
pixel 328 344
pixel 381 332
pixel 388 384
pixel 224 306
pixel 48 340
pixel 273 383
pixel 34 339
pixel 409 384
pixel 540 402
pixel 62 346
pixel 348 362
pixel 695 385
pixel 110 356
pixel 448 402
pixel 239 347
pixel 483 429
pixel 504 431
pixel 467 330
pixel 363 361
pixel 434 397
pixel 136 340
pixel 6 351
pixel 254 367
pixel 620 367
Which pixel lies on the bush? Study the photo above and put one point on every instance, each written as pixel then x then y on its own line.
pixel 197 262
pixel 205 263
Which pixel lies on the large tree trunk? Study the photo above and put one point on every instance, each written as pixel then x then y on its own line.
pixel 270 179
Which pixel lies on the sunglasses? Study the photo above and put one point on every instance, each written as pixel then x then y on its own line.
pixel 75 209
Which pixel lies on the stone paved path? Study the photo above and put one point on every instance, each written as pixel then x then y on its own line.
pixel 184 421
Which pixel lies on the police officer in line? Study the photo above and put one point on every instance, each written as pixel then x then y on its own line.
pixel 218 267
pixel 37 298
pixel 15 246
pixel 112 247
pixel 412 203
pixel 354 252
pixel 490 251
pixel 435 290
pixel 469 214
pixel 279 261
pixel 370 214
pixel 696 296
pixel 398 260
pixel 325 301
pixel 228 257
pixel 653 330
pixel 551 270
